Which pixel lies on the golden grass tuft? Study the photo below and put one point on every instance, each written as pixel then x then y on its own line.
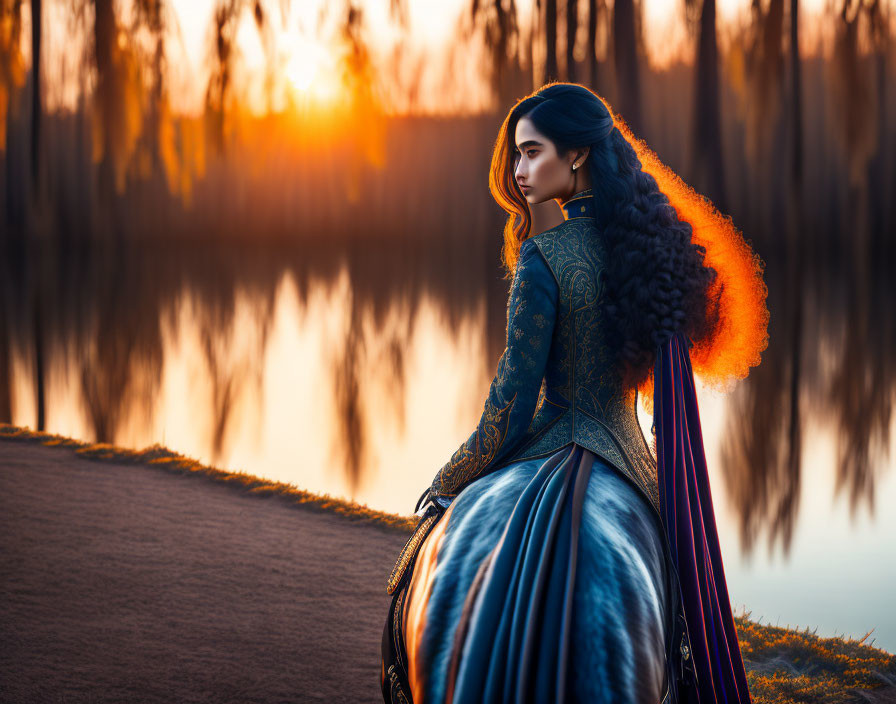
pixel 787 665
pixel 163 458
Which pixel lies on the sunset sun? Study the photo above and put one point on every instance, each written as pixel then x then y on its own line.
pixel 302 68
pixel 309 72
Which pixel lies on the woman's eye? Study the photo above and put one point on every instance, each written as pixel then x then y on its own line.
pixel 531 152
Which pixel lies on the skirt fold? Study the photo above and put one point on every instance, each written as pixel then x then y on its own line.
pixel 565 601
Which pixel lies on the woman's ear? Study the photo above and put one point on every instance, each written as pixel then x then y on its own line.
pixel 578 157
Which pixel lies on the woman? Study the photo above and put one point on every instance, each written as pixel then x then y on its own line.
pixel 556 558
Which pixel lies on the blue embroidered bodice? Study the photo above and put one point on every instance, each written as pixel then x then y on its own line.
pixel 555 383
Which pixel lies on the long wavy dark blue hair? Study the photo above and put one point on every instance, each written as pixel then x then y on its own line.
pixel 656 280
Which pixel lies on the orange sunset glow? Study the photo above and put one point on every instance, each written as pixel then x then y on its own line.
pixel 294 57
pixel 338 70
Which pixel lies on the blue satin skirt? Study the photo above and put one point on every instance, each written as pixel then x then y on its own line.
pixel 549 584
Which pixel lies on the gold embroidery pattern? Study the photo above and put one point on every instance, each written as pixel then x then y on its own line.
pixel 471 457
pixel 408 551
pixel 527 345
pixel 396 626
pixel 397 692
pixel 582 399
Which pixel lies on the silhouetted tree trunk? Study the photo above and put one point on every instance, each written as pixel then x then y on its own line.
pixel 795 258
pixel 766 93
pixel 796 87
pixel 591 53
pixel 881 181
pixel 225 24
pixel 153 21
pixel 5 344
pixel 625 56
pixel 708 168
pixel 572 26
pixel 15 159
pixel 40 386
pixel 550 39
pixel 36 109
pixel 37 322
pixel 103 38
pixel 499 26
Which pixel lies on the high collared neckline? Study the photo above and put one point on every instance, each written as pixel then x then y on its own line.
pixel 581 205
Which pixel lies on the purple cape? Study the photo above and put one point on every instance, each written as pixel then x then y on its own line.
pixel 690 524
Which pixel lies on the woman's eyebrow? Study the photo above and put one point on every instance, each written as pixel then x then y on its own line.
pixel 529 143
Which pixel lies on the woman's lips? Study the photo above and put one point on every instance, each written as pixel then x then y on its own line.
pixel 525 188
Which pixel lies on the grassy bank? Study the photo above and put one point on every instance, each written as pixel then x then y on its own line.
pixel 787 665
pixel 163 458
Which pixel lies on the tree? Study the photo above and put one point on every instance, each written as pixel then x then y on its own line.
pixel 708 164
pixel 625 57
pixel 36 109
pixel 227 15
pixel 551 72
pixel 499 23
pixel 572 26
pixel 595 9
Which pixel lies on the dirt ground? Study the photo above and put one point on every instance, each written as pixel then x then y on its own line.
pixel 123 582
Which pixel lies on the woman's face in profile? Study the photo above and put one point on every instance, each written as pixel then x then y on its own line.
pixel 540 172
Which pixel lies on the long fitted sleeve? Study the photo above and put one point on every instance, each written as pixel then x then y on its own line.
pixel 512 396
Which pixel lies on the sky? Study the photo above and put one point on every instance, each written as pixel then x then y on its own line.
pixel 430 24
pixel 304 48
